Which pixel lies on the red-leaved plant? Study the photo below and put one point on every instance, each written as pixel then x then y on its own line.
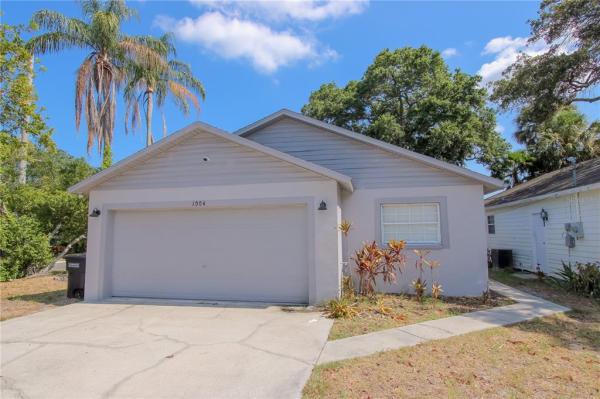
pixel 372 261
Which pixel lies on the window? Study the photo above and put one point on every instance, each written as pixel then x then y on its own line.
pixel 491 223
pixel 417 223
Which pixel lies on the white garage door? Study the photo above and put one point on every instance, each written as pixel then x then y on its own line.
pixel 246 254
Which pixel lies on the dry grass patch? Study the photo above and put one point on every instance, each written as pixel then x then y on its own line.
pixel 32 294
pixel 550 357
pixel 385 311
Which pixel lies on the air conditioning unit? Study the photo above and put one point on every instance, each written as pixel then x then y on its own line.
pixel 501 258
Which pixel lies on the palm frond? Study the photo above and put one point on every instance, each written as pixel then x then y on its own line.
pixel 119 8
pixel 182 95
pixel 57 22
pixel 90 7
pixel 53 42
pixel 143 55
pixel 83 78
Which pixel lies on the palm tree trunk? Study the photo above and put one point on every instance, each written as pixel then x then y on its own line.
pixel 22 167
pixel 149 109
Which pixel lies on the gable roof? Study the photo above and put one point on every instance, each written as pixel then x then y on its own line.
pixel 490 184
pixel 85 186
pixel 586 173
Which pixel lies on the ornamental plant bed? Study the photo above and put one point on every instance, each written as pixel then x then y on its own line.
pixel 550 357
pixel 383 311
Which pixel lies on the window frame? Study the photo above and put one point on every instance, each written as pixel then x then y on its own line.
pixel 443 219
pixel 493 224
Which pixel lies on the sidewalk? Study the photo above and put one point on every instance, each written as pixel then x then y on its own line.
pixel 527 307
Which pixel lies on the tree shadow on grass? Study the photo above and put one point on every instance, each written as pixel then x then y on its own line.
pixel 57 298
pixel 577 329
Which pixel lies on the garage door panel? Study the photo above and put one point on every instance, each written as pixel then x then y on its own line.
pixel 255 254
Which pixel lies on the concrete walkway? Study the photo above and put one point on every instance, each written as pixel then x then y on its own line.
pixel 527 307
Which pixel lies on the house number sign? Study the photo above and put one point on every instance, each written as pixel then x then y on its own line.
pixel 198 203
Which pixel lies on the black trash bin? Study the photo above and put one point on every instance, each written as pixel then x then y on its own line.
pixel 76 270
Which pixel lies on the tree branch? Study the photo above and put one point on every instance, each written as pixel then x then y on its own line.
pixel 586 100
pixel 49 267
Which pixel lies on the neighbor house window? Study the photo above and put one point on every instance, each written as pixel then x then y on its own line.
pixel 416 224
pixel 491 224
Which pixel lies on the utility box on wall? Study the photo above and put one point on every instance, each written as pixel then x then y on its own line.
pixel 573 232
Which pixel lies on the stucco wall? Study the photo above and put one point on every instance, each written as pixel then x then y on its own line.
pixel 324 263
pixel 463 269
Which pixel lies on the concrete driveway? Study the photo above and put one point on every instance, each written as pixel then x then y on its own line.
pixel 130 350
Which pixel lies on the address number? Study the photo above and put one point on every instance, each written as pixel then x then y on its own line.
pixel 198 203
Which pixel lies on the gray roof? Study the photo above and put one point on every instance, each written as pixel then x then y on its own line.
pixel 587 172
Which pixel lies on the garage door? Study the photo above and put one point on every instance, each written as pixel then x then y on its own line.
pixel 244 254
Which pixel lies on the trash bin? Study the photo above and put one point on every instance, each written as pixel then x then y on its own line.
pixel 76 270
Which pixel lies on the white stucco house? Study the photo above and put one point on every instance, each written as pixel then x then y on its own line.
pixel 253 215
pixel 548 220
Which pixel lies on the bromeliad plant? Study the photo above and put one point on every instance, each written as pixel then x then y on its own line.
pixel 372 261
pixel 420 284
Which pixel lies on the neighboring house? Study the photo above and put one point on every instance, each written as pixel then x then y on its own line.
pixel 253 215
pixel 548 220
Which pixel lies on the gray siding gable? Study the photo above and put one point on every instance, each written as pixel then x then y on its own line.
pixel 367 165
pixel 229 163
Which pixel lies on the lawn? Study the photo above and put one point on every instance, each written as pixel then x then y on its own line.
pixel 393 310
pixel 32 294
pixel 556 356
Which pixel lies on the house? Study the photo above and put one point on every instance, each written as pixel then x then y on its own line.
pixel 548 220
pixel 253 215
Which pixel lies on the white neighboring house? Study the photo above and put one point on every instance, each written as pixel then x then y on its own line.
pixel 548 220
pixel 254 215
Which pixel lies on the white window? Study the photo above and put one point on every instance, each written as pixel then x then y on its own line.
pixel 491 223
pixel 414 223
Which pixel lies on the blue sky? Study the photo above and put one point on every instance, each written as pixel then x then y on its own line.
pixel 257 57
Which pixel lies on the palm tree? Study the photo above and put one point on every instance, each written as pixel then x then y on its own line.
pixel 102 71
pixel 148 83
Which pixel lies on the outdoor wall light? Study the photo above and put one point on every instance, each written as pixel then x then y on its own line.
pixel 544 215
pixel 95 213
pixel 322 206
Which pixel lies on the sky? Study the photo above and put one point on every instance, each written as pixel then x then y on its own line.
pixel 255 58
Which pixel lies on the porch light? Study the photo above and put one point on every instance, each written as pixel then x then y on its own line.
pixel 95 213
pixel 544 215
pixel 322 206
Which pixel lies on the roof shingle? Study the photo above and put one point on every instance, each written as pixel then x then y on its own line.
pixel 587 172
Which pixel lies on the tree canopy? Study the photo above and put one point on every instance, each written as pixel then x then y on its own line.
pixel 567 73
pixel 409 97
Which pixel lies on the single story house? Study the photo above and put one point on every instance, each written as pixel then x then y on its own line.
pixel 253 215
pixel 548 220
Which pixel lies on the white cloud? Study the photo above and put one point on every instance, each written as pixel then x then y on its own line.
pixel 234 38
pixel 506 50
pixel 500 129
pixel 305 10
pixel 449 52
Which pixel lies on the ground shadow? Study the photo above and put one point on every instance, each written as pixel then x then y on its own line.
pixel 57 298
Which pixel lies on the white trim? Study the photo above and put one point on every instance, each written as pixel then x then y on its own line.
pixel 85 186
pixel 524 201
pixel 490 183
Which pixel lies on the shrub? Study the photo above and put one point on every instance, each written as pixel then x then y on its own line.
pixel 347 287
pixel 24 248
pixel 340 309
pixel 583 278
pixel 372 261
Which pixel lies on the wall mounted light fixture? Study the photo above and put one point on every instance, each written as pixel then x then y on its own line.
pixel 544 215
pixel 95 213
pixel 322 206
